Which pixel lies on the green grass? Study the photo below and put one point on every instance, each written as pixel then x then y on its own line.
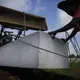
pixel 73 71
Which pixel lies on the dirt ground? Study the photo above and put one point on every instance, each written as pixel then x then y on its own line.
pixel 4 75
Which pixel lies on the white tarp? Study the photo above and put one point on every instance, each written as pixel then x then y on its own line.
pixel 37 50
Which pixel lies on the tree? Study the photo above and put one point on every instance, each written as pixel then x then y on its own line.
pixel 72 56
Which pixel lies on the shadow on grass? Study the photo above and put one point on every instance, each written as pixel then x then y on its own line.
pixel 38 74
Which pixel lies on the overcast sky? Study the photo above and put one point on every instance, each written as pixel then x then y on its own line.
pixel 55 17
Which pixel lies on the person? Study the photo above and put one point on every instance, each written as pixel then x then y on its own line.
pixel 75 22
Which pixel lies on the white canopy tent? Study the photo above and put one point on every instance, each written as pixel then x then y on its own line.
pixel 37 50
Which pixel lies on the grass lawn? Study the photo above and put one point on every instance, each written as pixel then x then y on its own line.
pixel 72 73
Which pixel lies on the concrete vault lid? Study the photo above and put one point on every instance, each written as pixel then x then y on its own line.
pixel 35 51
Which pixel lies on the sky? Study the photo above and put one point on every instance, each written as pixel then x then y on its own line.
pixel 55 17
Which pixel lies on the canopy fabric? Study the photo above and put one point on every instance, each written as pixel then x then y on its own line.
pixel 11 18
pixel 69 6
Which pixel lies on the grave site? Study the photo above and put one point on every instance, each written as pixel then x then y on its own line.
pixel 39 55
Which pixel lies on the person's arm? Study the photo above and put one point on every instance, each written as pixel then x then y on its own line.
pixel 77 13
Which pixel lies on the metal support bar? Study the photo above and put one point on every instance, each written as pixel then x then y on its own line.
pixel 75 45
pixel 18 35
pixel 2 30
pixel 24 25
pixel 67 44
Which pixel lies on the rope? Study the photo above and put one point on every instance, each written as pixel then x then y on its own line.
pixel 44 49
